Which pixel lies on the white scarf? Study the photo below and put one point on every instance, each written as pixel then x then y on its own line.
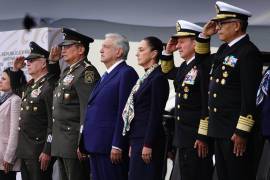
pixel 128 112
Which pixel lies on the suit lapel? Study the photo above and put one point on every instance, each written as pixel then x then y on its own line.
pixel 100 85
pixel 146 81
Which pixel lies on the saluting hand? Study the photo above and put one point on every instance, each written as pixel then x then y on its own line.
pixel 7 166
pixel 116 156
pixel 55 54
pixel 44 160
pixel 209 28
pixel 202 148
pixel 171 46
pixel 146 154
pixel 18 63
pixel 239 145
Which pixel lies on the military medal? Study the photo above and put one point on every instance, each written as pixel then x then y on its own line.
pixel 230 61
pixel 191 76
pixel 35 92
pixel 185 96
pixel 68 79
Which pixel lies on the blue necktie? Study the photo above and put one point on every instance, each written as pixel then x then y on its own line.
pixel 104 76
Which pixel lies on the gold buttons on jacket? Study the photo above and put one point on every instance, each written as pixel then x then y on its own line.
pixel 223 81
pixel 178 118
pixel 211 78
pixel 225 74
pixel 27 108
pixel 185 96
pixel 35 108
pixel 179 95
pixel 217 80
pixel 223 67
pixel 215 109
pixel 214 95
pixel 178 106
pixel 186 89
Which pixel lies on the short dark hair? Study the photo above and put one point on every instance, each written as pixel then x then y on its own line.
pixel 155 44
pixel 17 80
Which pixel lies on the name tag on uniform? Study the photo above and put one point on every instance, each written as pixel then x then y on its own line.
pixel 68 79
pixel 230 61
pixel 191 76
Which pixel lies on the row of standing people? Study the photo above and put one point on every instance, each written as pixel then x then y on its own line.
pixel 119 115
pixel 76 114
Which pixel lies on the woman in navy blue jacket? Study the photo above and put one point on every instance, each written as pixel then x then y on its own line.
pixel 143 114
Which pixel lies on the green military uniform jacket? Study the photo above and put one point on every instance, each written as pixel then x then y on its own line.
pixel 35 125
pixel 69 104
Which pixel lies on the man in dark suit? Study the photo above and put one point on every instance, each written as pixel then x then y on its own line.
pixel 234 80
pixel 69 104
pixel 103 122
pixel 191 82
pixel 35 127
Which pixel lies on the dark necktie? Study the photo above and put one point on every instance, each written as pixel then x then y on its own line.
pixel 104 76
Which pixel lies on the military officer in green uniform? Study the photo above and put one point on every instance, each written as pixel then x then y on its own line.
pixel 191 82
pixel 234 80
pixel 35 125
pixel 69 103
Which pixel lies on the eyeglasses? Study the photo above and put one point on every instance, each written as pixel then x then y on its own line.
pixel 221 23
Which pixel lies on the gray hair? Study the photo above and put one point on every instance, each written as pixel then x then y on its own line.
pixel 121 42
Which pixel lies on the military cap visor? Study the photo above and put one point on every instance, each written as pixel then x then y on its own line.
pixel 34 56
pixel 73 37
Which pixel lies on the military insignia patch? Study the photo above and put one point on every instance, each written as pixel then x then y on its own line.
pixel 230 61
pixel 191 76
pixel 89 76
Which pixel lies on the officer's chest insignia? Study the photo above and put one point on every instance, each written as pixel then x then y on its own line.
pixel 68 79
pixel 191 76
pixel 35 92
pixel 230 61
pixel 89 76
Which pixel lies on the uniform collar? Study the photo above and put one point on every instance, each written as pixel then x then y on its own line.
pixel 191 59
pixel 236 40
